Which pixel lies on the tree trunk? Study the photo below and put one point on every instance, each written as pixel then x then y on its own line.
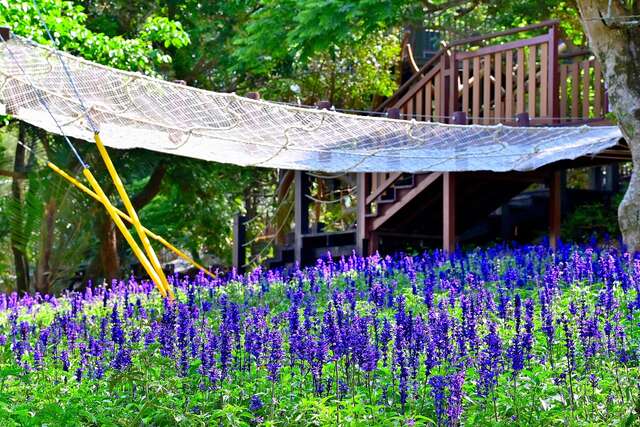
pixel 616 43
pixel 109 257
pixel 44 274
pixel 21 263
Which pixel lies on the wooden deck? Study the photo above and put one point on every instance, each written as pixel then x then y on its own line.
pixel 519 77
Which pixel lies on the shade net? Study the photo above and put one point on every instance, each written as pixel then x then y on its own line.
pixel 135 111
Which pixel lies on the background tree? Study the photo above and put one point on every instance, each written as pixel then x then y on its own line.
pixel 613 28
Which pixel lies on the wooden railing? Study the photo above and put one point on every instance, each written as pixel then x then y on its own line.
pixel 582 91
pixel 492 84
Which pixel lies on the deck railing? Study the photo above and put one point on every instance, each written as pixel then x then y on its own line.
pixel 494 83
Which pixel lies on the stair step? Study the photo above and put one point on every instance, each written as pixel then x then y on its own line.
pixel 407 180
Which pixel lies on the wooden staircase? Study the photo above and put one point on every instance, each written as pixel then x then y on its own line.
pixel 485 80
pixel 516 77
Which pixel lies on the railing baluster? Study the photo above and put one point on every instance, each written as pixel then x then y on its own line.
pixel 575 89
pixel 428 111
pixel 508 98
pixel 497 96
pixel 532 81
pixel 586 85
pixel 564 94
pixel 476 90
pixel 520 82
pixel 544 82
pixel 438 94
pixel 465 85
pixel 486 76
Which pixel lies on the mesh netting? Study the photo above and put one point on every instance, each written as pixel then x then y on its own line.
pixel 135 111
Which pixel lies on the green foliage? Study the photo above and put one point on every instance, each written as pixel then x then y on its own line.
pixel 152 391
pixel 68 24
pixel 592 219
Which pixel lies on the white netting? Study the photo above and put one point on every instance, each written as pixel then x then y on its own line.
pixel 132 110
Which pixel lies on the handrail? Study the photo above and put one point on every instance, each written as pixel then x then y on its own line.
pixel 409 82
pixel 470 40
pixel 509 32
pixel 534 41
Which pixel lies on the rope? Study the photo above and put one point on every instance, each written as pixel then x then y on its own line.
pixel 320 176
pixel 433 116
pixel 93 126
pixel 43 103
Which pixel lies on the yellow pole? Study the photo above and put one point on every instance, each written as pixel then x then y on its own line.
pixel 126 217
pixel 125 232
pixel 132 214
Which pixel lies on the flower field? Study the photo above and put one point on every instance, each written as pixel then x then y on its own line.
pixel 499 336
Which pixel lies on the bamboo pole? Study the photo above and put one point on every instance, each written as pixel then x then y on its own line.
pixel 125 232
pixel 126 217
pixel 153 259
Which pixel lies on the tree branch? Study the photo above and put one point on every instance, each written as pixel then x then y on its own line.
pixel 12 174
pixel 430 7
pixel 151 189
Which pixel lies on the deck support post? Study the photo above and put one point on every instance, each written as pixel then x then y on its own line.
pixel 449 196
pixel 555 208
pixel 361 221
pixel 301 212
pixel 449 212
pixel 371 243
pixel 239 240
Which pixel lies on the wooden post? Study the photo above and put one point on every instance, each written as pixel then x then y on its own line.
pixel 5 33
pixel 459 118
pixel 361 221
pixel 453 84
pixel 323 105
pixel 448 212
pixel 449 196
pixel 555 194
pixel 393 113
pixel 239 240
pixel 553 78
pixel 522 119
pixel 301 214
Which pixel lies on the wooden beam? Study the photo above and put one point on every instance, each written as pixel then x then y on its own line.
pixel 449 212
pixel 397 206
pixel 555 205
pixel 301 212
